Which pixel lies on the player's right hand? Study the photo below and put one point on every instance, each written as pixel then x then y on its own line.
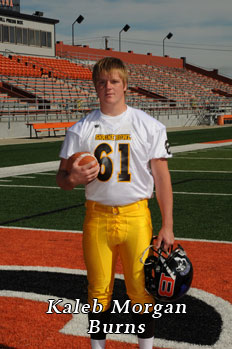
pixel 83 174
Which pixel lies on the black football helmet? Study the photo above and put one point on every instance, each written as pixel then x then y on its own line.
pixel 168 275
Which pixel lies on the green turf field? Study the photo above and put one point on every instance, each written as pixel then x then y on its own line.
pixel 202 186
pixel 13 155
pixel 199 136
pixel 30 153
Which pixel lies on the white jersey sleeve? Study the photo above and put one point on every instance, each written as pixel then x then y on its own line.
pixel 70 145
pixel 160 146
pixel 75 139
pixel 152 133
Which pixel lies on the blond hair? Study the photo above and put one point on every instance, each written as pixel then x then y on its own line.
pixel 106 65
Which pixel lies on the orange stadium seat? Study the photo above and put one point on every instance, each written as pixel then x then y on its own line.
pixel 45 77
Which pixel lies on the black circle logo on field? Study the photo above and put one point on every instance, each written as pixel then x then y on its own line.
pixel 200 325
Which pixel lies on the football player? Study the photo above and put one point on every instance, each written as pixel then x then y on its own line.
pixel 132 151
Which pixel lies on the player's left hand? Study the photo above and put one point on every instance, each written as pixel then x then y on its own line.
pixel 165 236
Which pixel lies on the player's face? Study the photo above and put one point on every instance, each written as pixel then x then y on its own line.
pixel 111 91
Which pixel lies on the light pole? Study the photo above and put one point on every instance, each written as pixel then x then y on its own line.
pixel 125 29
pixel 78 20
pixel 106 42
pixel 167 37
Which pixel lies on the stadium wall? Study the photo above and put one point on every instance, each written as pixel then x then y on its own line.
pixel 14 129
pixel 19 129
pixel 85 52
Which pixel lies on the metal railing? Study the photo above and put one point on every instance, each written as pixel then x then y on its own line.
pixel 17 112
pixel 74 110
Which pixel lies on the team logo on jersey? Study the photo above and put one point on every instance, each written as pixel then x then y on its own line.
pixel 167 147
pixel 113 137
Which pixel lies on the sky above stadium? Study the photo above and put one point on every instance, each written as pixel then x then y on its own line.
pixel 202 29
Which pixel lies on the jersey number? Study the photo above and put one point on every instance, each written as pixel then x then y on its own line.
pixel 102 153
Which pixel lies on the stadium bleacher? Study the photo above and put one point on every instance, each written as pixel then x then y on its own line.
pixel 17 65
pixel 181 85
pixel 32 83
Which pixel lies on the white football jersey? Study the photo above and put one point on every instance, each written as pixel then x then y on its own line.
pixel 123 145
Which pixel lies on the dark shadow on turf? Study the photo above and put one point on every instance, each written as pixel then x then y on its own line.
pixel 41 214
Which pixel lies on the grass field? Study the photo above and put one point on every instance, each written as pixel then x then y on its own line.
pixel 201 185
pixel 13 155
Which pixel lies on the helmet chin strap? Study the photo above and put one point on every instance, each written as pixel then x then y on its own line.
pixel 144 252
pixel 158 252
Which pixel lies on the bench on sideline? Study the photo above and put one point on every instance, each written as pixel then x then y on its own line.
pixel 222 118
pixel 49 126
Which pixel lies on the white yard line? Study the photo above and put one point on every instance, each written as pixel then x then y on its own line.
pixel 193 158
pixel 47 173
pixel 34 186
pixel 205 194
pixel 197 146
pixel 28 169
pixel 200 171
pixel 53 165
pixel 81 232
pixel 23 177
pixel 46 187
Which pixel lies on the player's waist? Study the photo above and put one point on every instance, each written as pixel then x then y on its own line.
pixel 93 205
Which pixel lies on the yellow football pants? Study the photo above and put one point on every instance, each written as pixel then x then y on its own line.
pixel 111 231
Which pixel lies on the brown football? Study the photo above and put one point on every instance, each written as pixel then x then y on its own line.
pixel 86 158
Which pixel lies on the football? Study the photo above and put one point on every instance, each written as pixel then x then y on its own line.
pixel 86 158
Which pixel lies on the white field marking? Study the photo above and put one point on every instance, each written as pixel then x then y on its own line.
pixel 19 176
pixel 193 158
pixel 200 171
pixel 44 187
pixel 222 307
pixel 191 193
pixel 29 186
pixel 204 240
pixel 198 147
pixel 44 269
pixel 29 169
pixel 81 232
pixel 42 229
pixel 46 173
pixel 34 186
pixel 205 194
pixel 5 180
pixel 78 325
